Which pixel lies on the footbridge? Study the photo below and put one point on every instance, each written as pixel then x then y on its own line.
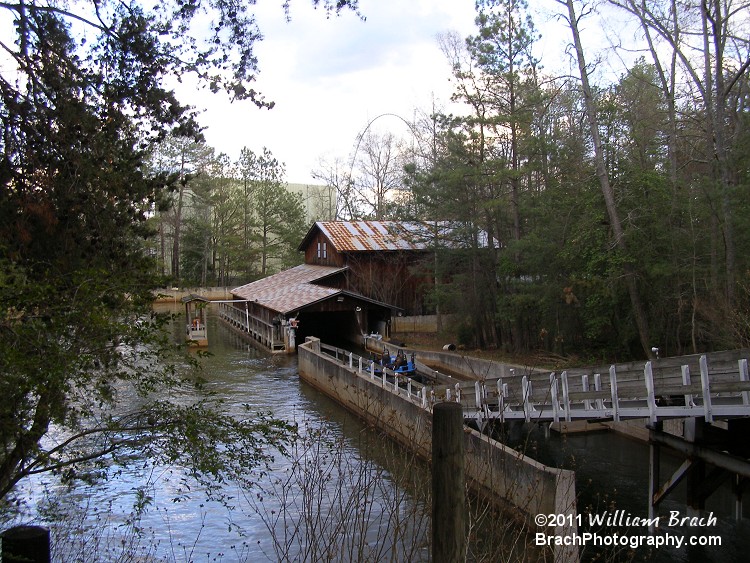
pixel 702 387
pixel 707 395
pixel 710 387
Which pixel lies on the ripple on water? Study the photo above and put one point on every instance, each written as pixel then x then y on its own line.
pixel 180 522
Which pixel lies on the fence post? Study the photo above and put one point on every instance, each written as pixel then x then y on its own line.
pixel 448 484
pixel 25 543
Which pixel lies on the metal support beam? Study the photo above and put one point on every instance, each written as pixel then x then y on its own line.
pixel 672 482
pixel 726 461
pixel 700 482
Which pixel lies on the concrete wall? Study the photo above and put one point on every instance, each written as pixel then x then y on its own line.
pixel 503 475
pixel 169 295
pixel 419 323
pixel 455 362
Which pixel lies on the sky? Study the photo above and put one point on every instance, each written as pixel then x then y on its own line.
pixel 330 77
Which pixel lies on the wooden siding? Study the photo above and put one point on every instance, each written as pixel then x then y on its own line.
pixel 389 275
pixel 321 252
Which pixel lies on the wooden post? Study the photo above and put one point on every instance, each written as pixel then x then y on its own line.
pixel 654 472
pixel 25 543
pixel 448 484
pixel 694 432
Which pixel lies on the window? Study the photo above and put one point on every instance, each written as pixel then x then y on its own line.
pixel 325 250
pixel 318 250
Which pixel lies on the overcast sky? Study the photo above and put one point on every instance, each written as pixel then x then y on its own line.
pixel 330 77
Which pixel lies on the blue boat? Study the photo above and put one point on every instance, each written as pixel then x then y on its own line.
pixel 399 364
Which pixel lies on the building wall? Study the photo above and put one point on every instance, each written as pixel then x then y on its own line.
pixel 319 201
pixel 389 277
pixel 321 252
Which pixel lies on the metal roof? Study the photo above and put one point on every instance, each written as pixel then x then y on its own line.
pixel 194 297
pixel 291 289
pixel 366 236
pixel 378 236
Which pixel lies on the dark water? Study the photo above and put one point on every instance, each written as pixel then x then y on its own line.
pixel 344 494
pixel 612 473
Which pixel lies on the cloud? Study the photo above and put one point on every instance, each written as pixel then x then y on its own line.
pixel 346 44
pixel 330 77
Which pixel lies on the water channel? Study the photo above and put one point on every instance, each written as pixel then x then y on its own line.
pixel 612 475
pixel 344 494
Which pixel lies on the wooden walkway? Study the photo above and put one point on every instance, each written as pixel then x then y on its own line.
pixel 703 386
pixel 710 387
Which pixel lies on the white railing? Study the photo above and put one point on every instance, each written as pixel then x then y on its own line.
pixel 722 392
pixel 399 384
pixel 257 328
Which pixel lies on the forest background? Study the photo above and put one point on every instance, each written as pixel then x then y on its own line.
pixel 619 212
pixel 618 209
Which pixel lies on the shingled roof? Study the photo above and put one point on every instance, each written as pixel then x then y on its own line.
pixel 291 289
pixel 294 289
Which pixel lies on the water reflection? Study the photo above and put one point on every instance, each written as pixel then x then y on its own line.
pixel 342 494
pixel 612 473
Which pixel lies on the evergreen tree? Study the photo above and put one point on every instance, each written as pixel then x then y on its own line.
pixel 77 337
pixel 278 215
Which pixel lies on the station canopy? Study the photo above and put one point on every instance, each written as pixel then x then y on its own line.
pixel 296 288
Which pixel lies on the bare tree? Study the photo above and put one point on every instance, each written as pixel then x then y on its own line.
pixel 337 175
pixel 718 31
pixel 380 173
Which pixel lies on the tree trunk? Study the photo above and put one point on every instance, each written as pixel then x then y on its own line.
pixel 713 27
pixel 714 85
pixel 176 237
pixel 607 191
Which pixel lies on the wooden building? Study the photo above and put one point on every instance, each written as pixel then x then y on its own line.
pixel 389 261
pixel 356 276
pixel 307 300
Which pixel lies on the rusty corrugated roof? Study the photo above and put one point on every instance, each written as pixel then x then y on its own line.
pixel 379 236
pixel 367 236
pixel 291 289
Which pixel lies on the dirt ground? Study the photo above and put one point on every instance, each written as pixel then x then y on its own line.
pixel 432 341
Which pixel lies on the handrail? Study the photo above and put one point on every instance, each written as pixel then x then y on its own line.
pixel 539 397
pixel 721 393
pixel 413 390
